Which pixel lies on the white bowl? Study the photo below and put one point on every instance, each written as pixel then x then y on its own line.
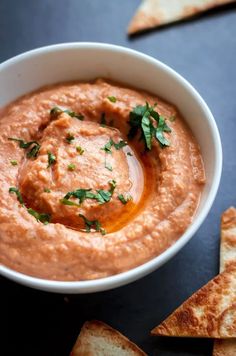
pixel 86 61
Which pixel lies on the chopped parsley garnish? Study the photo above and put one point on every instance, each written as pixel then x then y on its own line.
pixel 110 143
pixel 69 137
pixel 71 167
pixel 56 111
pixel 34 151
pixel 108 146
pixel 80 194
pixel 14 162
pixel 120 144
pixel 112 99
pixel 103 120
pixel 92 224
pixel 47 190
pixel 108 166
pixel 113 186
pixel 68 202
pixel 140 119
pixel 44 218
pixel 51 159
pixel 161 128
pixel 129 154
pixel 18 194
pixel 102 196
pixel 80 150
pixel 123 199
pixel 33 145
pixel 172 118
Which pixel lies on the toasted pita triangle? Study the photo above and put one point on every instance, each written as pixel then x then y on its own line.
pixel 98 339
pixel 228 238
pixel 210 312
pixel 153 13
pixel 227 257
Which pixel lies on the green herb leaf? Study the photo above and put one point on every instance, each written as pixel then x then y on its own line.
pixel 22 143
pixel 172 118
pixel 56 111
pixel 120 144
pixel 80 150
pixel 140 120
pixel 71 167
pixel 14 162
pixel 92 224
pixel 68 202
pixel 112 99
pixel 74 114
pixel 18 194
pixel 123 199
pixel 108 166
pixel 102 196
pixel 35 146
pixel 162 124
pixel 46 190
pixel 51 159
pixel 108 146
pixel 34 151
pixel 69 137
pixel 147 130
pixel 107 149
pixel 44 218
pixel 110 143
pixel 113 186
pixel 162 127
pixel 80 194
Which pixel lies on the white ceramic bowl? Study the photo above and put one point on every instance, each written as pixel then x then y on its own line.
pixel 86 61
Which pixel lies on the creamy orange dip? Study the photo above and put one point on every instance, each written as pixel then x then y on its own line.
pixel 135 202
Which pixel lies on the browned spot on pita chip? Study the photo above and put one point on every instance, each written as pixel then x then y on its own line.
pixel 153 13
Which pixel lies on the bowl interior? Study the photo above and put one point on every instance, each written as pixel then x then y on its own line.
pixel 87 61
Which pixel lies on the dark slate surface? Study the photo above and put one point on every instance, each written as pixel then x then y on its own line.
pixel 203 51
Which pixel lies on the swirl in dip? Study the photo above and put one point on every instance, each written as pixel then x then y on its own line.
pixel 95 179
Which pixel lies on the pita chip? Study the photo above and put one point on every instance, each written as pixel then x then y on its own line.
pixel 210 312
pixel 228 238
pixel 97 338
pixel 227 257
pixel 153 13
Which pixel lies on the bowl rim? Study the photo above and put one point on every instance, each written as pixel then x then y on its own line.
pixel 110 282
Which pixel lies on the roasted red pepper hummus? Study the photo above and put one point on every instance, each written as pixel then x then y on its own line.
pixel 95 179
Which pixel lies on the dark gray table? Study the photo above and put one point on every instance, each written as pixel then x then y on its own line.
pixel 203 51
